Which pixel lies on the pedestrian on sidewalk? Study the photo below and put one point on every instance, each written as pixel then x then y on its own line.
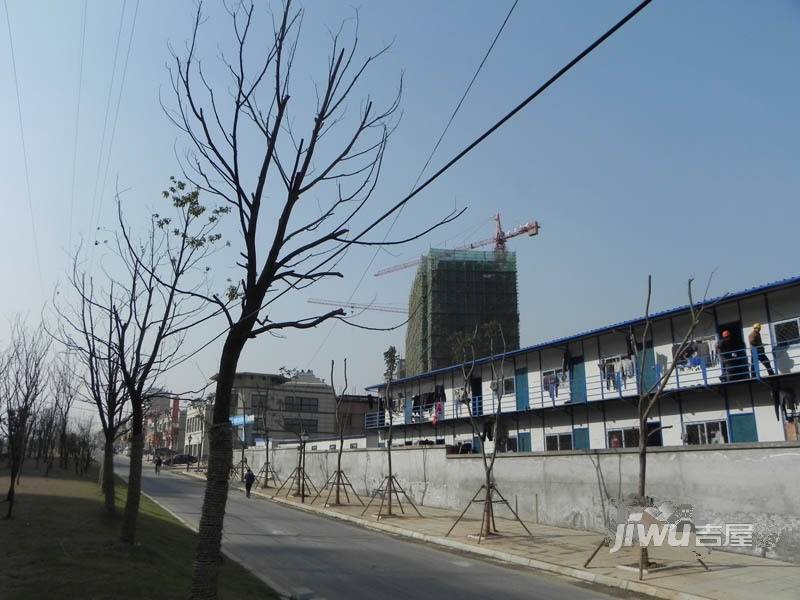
pixel 158 465
pixel 249 478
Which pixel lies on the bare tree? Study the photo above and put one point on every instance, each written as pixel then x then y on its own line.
pixel 65 391
pixel 339 480
pixel 22 386
pixel 153 306
pixel 87 331
pixel 650 393
pixel 651 384
pixel 464 350
pixel 390 486
pixel 317 192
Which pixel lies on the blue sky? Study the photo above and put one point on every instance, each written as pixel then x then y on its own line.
pixel 671 150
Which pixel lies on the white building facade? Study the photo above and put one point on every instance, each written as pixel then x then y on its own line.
pixel 580 392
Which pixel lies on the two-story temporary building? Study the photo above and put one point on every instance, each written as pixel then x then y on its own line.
pixel 581 391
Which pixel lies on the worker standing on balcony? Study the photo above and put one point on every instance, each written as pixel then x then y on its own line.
pixel 758 344
pixel 726 354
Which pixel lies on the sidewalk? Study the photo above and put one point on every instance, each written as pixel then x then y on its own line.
pixel 564 551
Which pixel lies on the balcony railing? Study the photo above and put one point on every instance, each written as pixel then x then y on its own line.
pixel 690 373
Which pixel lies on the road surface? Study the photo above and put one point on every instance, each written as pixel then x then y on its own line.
pixel 337 560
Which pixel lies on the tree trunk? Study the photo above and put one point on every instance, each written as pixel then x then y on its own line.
pixel 487 513
pixel 642 458
pixel 339 478
pixel 12 487
pixel 63 453
pixel 220 456
pixel 108 475
pixel 265 483
pixel 134 474
pixel 644 559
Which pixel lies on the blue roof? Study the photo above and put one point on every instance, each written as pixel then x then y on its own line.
pixel 599 330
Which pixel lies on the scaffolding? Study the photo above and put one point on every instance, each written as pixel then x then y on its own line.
pixel 453 291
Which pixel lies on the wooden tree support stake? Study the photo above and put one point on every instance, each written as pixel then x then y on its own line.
pixel 339 480
pixel 390 486
pixel 487 521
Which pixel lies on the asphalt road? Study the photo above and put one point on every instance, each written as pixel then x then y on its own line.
pixel 337 560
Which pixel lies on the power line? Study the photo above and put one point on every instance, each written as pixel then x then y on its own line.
pixel 421 173
pixel 116 113
pixel 77 122
pixel 24 149
pixel 105 118
pixel 477 141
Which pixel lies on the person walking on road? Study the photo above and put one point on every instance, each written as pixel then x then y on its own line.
pixel 158 462
pixel 249 479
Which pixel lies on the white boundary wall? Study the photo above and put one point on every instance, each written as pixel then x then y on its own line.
pixel 742 483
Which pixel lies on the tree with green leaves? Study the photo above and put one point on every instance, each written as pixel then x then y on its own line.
pixel 152 305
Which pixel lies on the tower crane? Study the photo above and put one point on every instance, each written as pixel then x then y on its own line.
pixel 354 306
pixel 499 240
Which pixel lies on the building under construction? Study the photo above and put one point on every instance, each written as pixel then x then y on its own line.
pixel 453 291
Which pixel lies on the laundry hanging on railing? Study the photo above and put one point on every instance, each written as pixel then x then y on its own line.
pixel 616 371
pixel 695 355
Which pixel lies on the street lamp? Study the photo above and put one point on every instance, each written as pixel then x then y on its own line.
pixel 189 454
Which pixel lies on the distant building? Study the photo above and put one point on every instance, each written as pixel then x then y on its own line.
pixel 162 424
pixel 453 291
pixel 279 407
pixel 181 431
pixel 198 418
pixel 354 408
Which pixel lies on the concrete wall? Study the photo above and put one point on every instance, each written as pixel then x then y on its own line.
pixel 746 483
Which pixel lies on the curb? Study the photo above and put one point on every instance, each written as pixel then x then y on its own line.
pixel 279 590
pixel 572 572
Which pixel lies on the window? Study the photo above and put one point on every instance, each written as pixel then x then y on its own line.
pixel 558 373
pixel 710 432
pixel 508 386
pixel 313 448
pixel 332 447
pixel 300 404
pixel 259 400
pixel 353 445
pixel 786 332
pixel 440 441
pixel 623 438
pixel 300 425
pixel 511 444
pixel 558 441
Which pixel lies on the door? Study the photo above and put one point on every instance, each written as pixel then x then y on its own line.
pixel 743 428
pixel 577 380
pixel 524 441
pixel 476 387
pixel 580 438
pixel 521 389
pixel 649 375
pixel 734 357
